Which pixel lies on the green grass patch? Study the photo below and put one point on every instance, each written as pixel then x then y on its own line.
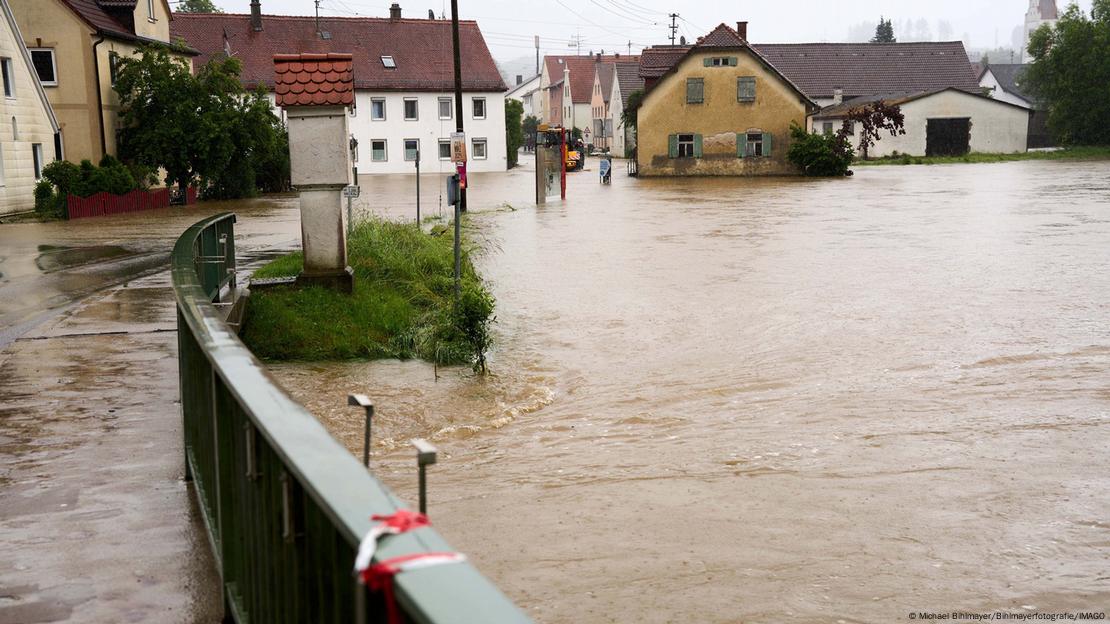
pixel 403 305
pixel 1071 153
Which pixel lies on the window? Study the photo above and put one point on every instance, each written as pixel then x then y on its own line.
pixel 745 89
pixel 412 149
pixel 150 10
pixel 445 149
pixel 377 150
pixel 726 61
pixel 695 90
pixel 478 151
pixel 36 152
pixel 411 109
pixel 827 127
pixel 755 146
pixel 377 109
pixel 9 77
pixel 388 62
pixel 685 146
pixel 479 108
pixel 445 106
pixel 43 60
pixel 113 67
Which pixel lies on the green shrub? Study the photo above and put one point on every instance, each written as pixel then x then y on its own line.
pixel 64 175
pixel 48 205
pixel 819 154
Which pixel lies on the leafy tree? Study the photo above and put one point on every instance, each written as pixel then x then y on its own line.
pixel 884 32
pixel 630 114
pixel 530 125
pixel 1069 74
pixel 203 128
pixel 514 131
pixel 873 118
pixel 197 6
pixel 824 154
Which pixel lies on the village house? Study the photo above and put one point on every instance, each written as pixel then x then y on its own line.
pixel 599 105
pixel 626 82
pixel 1005 82
pixel 567 84
pixel 28 128
pixel 720 109
pixel 525 92
pixel 75 46
pixel 404 80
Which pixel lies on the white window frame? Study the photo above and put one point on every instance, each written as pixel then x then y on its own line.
pixel 9 71
pixel 686 146
pixel 38 158
pixel 439 147
pixel 389 62
pixel 385 150
pixel 405 149
pixel 150 11
pixel 474 102
pixel 450 108
pixel 754 144
pixel 416 105
pixel 53 65
pixel 474 148
pixel 375 101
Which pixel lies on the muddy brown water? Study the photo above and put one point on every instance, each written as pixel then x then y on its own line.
pixel 771 400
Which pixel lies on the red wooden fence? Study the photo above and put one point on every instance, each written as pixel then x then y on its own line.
pixel 102 204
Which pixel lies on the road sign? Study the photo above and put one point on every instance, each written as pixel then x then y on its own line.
pixel 352 191
pixel 458 147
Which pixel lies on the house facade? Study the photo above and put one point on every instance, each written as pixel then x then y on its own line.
pixel 28 127
pixel 567 82
pixel 626 82
pixel 721 109
pixel 403 74
pixel 601 93
pixel 1005 82
pixel 946 122
pixel 75 45
pixel 526 92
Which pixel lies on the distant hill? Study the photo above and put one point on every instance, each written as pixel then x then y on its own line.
pixel 520 66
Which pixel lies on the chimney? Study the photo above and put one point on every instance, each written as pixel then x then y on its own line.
pixel 431 14
pixel 599 57
pixel 256 15
pixel 742 30
pixel 838 96
pixel 519 79
pixel 395 11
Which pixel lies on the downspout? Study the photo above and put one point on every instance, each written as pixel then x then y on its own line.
pixel 99 98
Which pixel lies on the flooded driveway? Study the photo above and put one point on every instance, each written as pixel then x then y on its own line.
pixel 773 400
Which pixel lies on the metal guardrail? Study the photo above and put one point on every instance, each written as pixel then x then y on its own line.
pixel 285 505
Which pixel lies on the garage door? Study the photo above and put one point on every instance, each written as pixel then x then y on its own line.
pixel 948 137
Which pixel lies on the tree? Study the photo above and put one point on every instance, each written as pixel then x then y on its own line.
pixel 873 118
pixel 530 125
pixel 514 131
pixel 1069 74
pixel 884 32
pixel 204 128
pixel 197 6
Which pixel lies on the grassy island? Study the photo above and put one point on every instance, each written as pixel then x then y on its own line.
pixel 403 305
pixel 1071 153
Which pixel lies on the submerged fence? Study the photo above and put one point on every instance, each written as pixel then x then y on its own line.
pixel 285 505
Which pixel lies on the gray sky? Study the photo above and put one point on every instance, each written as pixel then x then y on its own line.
pixel 509 25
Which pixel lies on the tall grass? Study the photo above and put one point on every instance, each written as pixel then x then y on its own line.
pixel 402 306
pixel 1071 153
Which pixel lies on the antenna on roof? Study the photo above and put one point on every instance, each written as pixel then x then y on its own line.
pixel 317 17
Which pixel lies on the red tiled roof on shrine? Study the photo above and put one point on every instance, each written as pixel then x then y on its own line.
pixel 314 79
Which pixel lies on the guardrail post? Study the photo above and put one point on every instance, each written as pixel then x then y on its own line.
pixel 425 456
pixel 363 401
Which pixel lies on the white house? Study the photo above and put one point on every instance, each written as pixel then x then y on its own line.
pixel 566 88
pixel 403 75
pixel 27 124
pixel 945 122
pixel 626 82
pixel 1003 82
pixel 528 93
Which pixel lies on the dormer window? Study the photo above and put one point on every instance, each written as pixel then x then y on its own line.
pixel 388 62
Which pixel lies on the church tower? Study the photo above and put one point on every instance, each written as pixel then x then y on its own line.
pixel 1040 12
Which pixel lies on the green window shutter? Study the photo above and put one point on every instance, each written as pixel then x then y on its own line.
pixel 697 146
pixel 767 143
pixel 745 89
pixel 741 145
pixel 732 61
pixel 672 146
pixel 695 90
pixel 708 62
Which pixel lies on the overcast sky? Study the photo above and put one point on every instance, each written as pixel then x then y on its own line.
pixel 509 25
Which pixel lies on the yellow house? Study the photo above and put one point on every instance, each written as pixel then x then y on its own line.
pixel 720 109
pixel 27 125
pixel 75 45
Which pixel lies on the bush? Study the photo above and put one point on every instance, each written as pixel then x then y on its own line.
pixel 819 154
pixel 48 205
pixel 111 176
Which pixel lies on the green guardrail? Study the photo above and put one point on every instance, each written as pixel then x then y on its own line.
pixel 284 503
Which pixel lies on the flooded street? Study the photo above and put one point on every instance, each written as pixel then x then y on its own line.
pixel 775 400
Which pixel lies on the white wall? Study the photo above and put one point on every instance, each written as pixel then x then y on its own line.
pixel 17 180
pixel 989 82
pixel 429 129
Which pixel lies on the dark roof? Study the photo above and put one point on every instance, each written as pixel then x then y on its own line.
pixel 605 74
pixel 313 80
pixel 628 77
pixel 1010 78
pixel 94 15
pixel 869 68
pixel 421 48
pixel 658 60
pixel 837 111
pixel 582 70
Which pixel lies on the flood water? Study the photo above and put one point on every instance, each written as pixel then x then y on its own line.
pixel 771 400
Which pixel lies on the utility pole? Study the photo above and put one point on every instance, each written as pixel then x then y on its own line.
pixel 673 26
pixel 537 55
pixel 576 42
pixel 458 93
pixel 629 48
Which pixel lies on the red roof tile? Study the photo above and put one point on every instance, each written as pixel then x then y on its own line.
pixel 582 70
pixel 314 79
pixel 421 48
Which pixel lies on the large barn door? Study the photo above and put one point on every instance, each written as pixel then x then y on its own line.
pixel 948 137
